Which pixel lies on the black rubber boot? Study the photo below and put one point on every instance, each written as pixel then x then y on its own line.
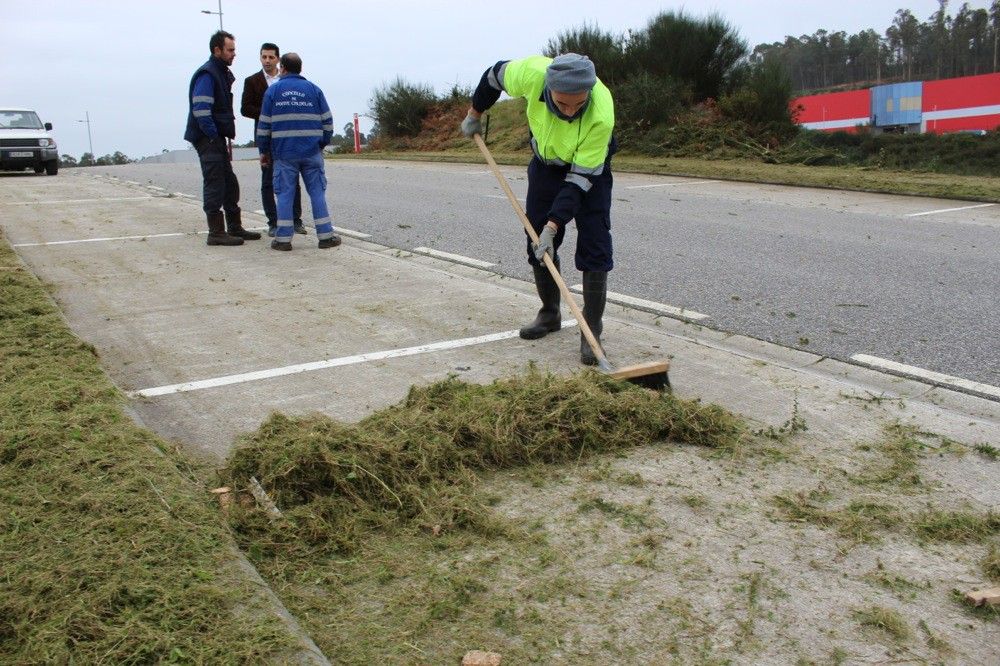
pixel 595 294
pixel 548 319
pixel 217 231
pixel 234 224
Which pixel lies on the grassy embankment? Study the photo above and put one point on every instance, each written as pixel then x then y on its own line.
pixel 441 141
pixel 110 547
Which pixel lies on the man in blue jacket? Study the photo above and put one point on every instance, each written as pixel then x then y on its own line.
pixel 210 124
pixel 295 125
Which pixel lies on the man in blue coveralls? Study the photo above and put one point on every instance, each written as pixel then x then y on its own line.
pixel 295 125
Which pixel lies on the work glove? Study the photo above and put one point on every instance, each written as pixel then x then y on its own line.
pixel 471 125
pixel 546 243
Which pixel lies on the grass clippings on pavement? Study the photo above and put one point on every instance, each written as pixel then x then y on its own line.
pixel 518 517
pixel 389 541
pixel 110 549
pixel 419 460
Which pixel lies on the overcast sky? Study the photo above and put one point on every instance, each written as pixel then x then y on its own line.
pixel 129 62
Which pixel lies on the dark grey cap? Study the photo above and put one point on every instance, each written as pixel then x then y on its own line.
pixel 570 73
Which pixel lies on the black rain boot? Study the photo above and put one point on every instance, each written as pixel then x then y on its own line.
pixel 549 319
pixel 217 231
pixel 595 293
pixel 234 223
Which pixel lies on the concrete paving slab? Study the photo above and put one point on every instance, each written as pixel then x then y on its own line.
pixel 169 310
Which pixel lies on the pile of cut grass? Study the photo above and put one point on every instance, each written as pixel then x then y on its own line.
pixel 109 552
pixel 420 460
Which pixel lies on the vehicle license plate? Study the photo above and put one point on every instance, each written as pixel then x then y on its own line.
pixel 21 154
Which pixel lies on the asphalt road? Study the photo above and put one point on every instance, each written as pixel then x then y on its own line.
pixel 905 279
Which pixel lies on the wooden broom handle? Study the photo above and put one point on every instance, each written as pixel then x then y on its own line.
pixel 563 289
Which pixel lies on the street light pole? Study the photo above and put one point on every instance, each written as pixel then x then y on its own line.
pixel 206 11
pixel 89 140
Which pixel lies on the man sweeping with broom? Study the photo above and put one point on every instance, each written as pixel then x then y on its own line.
pixel 571 117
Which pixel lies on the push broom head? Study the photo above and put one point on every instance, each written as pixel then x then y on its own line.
pixel 651 375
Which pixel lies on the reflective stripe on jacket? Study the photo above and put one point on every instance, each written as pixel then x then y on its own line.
pixel 210 102
pixel 295 120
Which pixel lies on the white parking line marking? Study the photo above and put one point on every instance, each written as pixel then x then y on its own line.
pixel 154 187
pixel 456 258
pixel 76 201
pixel 935 377
pixel 502 196
pixel 950 210
pixel 110 238
pixel 680 182
pixel 184 194
pixel 322 365
pixel 662 308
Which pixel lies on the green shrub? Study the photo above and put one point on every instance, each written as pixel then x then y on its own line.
pixel 645 101
pixel 604 49
pixel 399 108
pixel 763 100
pixel 703 53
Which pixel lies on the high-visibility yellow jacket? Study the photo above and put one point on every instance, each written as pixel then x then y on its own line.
pixel 580 145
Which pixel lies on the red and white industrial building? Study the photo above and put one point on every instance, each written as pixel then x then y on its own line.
pixel 965 104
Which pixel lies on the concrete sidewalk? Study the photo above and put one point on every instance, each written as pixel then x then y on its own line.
pixel 208 340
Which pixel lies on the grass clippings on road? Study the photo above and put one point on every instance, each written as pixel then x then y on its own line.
pixel 111 551
pixel 553 520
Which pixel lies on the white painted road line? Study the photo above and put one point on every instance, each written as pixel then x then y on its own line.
pixel 651 306
pixel 76 201
pixel 501 196
pixel 920 373
pixel 350 233
pixel 153 187
pixel 950 210
pixel 322 365
pixel 679 182
pixel 456 258
pixel 113 238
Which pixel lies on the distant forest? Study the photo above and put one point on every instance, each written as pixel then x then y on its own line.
pixel 943 46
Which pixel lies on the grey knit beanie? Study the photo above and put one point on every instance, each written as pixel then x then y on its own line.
pixel 570 73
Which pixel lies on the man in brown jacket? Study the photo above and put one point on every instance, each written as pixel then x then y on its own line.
pixel 254 88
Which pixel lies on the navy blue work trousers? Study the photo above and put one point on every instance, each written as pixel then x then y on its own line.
pixel 220 189
pixel 593 218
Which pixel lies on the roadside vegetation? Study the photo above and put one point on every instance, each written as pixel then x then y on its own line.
pixel 110 548
pixel 691 101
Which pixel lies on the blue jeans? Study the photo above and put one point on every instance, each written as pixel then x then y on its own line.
pixel 286 177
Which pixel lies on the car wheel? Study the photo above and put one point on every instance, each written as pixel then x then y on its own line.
pixel 52 167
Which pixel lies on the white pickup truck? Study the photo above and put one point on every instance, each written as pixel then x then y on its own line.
pixel 25 143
